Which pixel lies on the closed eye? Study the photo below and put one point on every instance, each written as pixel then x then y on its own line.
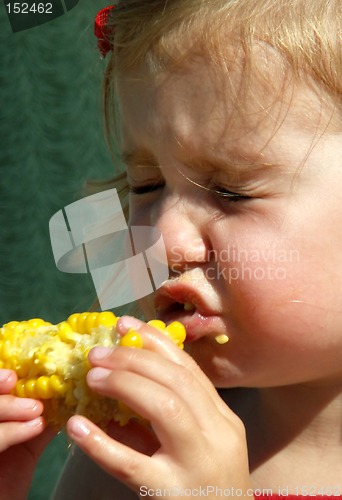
pixel 222 193
pixel 145 189
pixel 228 195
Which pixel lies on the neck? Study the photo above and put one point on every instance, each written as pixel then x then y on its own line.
pixel 291 425
pixel 313 413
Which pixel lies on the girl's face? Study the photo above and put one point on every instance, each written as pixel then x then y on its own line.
pixel 249 202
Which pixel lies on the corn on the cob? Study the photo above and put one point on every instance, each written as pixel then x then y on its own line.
pixel 51 362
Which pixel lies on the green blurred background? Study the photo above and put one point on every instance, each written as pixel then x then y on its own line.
pixel 51 143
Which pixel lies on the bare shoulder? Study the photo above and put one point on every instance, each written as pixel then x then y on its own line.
pixel 82 479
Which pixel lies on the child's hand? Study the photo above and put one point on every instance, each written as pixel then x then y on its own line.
pixel 198 441
pixel 22 439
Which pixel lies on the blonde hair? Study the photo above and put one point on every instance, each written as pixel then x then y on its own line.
pixel 161 34
pixel 158 33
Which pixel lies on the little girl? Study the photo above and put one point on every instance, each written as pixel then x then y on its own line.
pixel 230 129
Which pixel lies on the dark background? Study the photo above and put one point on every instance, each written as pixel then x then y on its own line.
pixel 51 143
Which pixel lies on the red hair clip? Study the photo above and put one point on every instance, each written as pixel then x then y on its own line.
pixel 101 30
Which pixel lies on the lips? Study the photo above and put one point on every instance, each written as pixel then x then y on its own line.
pixel 187 301
pixel 177 297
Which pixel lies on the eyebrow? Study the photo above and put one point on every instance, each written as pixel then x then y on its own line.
pixel 231 164
pixel 138 157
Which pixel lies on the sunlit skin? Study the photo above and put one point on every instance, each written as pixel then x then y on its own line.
pixel 249 204
pixel 282 155
pixel 277 293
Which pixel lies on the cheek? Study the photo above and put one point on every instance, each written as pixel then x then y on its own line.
pixel 286 291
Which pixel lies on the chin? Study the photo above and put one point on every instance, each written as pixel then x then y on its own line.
pixel 213 360
pixel 224 371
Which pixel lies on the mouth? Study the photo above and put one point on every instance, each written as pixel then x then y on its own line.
pixel 182 302
pixel 177 300
pixel 174 310
pixel 177 311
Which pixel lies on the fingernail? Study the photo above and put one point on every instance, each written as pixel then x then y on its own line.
pixel 127 322
pixel 78 427
pixel 26 403
pixel 35 422
pixel 97 374
pixel 101 352
pixel 4 375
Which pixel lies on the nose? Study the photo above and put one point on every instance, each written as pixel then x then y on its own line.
pixel 182 225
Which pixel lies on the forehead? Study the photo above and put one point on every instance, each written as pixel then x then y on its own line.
pixel 220 107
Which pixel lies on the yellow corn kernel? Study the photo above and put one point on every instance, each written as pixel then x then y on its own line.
pixel 51 362
pixel 157 323
pixel 36 322
pixel 66 332
pixel 81 322
pixel 22 368
pixel 72 320
pixel 176 331
pixel 30 388
pixel 90 321
pixel 131 339
pixel 9 325
pixel 58 385
pixel 43 388
pixel 20 389
pixel 6 350
pixel 21 327
pixel 221 339
pixel 107 319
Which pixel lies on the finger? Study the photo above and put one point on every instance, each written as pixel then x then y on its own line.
pixel 173 421
pixel 129 466
pixel 8 379
pixel 177 378
pixel 156 341
pixel 19 409
pixel 12 433
pixel 188 378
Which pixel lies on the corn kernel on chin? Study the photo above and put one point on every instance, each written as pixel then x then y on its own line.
pixel 51 362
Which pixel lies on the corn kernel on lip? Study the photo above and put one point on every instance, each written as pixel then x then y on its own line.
pixel 221 339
